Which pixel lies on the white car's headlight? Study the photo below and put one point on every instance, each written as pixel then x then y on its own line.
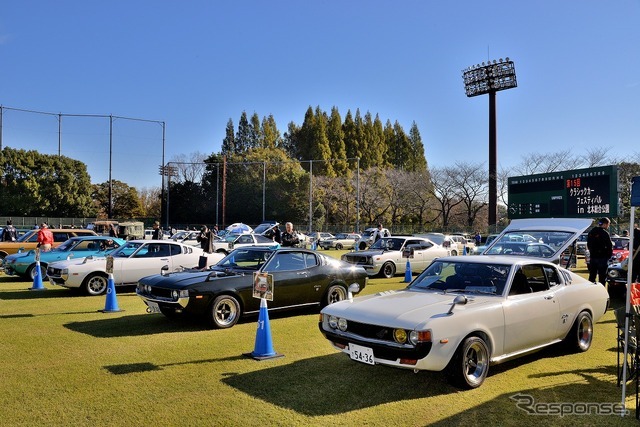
pixel 333 322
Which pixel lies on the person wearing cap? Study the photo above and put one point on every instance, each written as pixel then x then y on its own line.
pixel 45 238
pixel 157 232
pixel 601 249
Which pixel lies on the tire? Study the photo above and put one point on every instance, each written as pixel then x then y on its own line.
pixel 581 335
pixel 31 272
pixel 454 252
pixel 335 293
pixel 362 246
pixel 224 312
pixel 470 364
pixel 95 284
pixel 388 270
pixel 338 246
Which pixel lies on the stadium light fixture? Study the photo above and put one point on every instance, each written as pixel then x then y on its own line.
pixel 484 79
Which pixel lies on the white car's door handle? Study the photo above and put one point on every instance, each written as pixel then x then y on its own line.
pixel 552 296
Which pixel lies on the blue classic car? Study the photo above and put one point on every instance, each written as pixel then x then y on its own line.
pixel 24 263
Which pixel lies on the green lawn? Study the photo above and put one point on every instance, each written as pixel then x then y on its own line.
pixel 66 363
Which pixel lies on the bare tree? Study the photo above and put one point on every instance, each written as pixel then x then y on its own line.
pixel 471 187
pixel 189 168
pixel 599 156
pixel 444 190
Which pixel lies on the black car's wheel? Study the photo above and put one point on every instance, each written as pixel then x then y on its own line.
pixel 339 246
pixel 470 364
pixel 95 284
pixel 225 312
pixel 335 293
pixel 388 270
pixel 581 335
pixel 31 271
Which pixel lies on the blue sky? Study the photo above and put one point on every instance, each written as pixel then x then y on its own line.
pixel 196 64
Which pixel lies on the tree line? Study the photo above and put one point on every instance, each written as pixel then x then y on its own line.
pixel 318 169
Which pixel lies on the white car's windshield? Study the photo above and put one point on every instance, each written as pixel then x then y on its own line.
pixel 388 244
pixel 460 276
pixel 126 250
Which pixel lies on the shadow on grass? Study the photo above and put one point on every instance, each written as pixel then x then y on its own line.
pixel 591 400
pixel 319 386
pixel 135 325
pixel 27 293
pixel 132 368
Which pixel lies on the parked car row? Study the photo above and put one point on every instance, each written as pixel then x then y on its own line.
pixel 459 316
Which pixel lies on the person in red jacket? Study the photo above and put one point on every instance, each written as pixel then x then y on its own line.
pixel 45 238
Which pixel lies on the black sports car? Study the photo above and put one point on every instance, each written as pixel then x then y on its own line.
pixel 225 291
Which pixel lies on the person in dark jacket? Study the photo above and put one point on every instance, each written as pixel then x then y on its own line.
pixel 206 238
pixel 289 237
pixel 601 249
pixel 157 231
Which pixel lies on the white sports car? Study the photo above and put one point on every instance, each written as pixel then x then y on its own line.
pixel 131 262
pixel 464 313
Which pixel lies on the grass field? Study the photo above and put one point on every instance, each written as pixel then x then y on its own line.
pixel 66 363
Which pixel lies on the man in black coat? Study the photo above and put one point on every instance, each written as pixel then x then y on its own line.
pixel 601 249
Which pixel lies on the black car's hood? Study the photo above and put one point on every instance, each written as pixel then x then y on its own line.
pixel 183 279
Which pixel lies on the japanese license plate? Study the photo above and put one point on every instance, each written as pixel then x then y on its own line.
pixel 361 354
pixel 152 307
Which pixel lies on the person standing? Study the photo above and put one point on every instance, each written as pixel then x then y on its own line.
pixel 157 231
pixel 478 238
pixel 112 231
pixel 277 234
pixel 45 238
pixel 289 237
pixel 9 234
pixel 601 249
pixel 205 238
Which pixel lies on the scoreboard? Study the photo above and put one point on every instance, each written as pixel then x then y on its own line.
pixel 579 193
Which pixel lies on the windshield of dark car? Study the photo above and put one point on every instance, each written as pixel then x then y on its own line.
pixel 483 278
pixel 244 258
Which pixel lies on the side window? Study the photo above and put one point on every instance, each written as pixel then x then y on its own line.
pixel 552 276
pixel 60 237
pixel 310 260
pixel 86 245
pixel 536 277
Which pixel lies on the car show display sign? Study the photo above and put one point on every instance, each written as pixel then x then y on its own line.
pixel 263 286
pixel 578 193
pixel 109 265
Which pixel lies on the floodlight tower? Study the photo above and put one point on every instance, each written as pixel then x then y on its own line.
pixel 491 78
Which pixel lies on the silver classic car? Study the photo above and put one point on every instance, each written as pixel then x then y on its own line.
pixel 388 256
pixel 463 314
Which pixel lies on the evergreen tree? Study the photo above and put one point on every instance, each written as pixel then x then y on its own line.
pixel 417 162
pixel 243 136
pixel 255 132
pixel 228 143
pixel 335 136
